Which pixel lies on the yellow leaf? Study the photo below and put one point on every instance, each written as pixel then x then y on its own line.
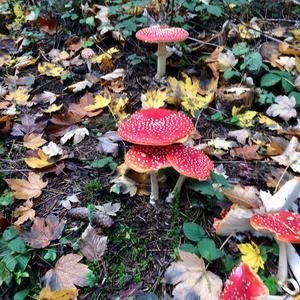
pixel 38 162
pixel 251 256
pixel 33 141
pixel 197 103
pixel 154 99
pixel 245 119
pixel 105 59
pixel 20 96
pixel 99 102
pixel 118 105
pixel 24 212
pixel 54 107
pixel 67 294
pixel 271 124
pixel 50 69
pixel 285 48
pixel 18 13
pixel 298 64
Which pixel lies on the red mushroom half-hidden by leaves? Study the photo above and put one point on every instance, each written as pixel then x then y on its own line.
pixel 189 162
pixel 156 127
pixel 243 283
pixel 285 226
pixel 150 159
pixel 87 54
pixel 161 35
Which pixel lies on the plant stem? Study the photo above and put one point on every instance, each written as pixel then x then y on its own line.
pixel 176 189
pixel 161 60
pixel 282 264
pixel 154 188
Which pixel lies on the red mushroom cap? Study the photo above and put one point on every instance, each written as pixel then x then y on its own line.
pixel 147 158
pixel 190 162
pixel 156 127
pixel 284 225
pixel 87 53
pixel 161 34
pixel 243 283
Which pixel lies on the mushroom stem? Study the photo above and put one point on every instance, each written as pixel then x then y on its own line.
pixel 161 60
pixel 176 189
pixel 294 261
pixel 282 274
pixel 89 65
pixel 154 188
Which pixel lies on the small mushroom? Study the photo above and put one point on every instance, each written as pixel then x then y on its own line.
pixel 189 162
pixel 156 127
pixel 161 35
pixel 87 54
pixel 243 283
pixel 143 159
pixel 285 226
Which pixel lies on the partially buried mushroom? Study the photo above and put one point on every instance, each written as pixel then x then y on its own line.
pixel 189 162
pixel 285 226
pixel 161 35
pixel 150 159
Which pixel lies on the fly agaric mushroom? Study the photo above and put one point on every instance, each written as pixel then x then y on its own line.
pixel 87 54
pixel 144 159
pixel 243 283
pixel 161 35
pixel 189 162
pixel 285 226
pixel 156 127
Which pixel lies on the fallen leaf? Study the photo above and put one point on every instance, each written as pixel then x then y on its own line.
pixel 34 141
pixel 117 73
pixel 105 59
pixel 107 143
pixel 284 107
pixel 45 97
pixel 28 125
pixel 50 69
pixel 52 149
pixel 66 119
pixel 287 62
pixel 80 86
pixel 247 152
pixel 287 49
pixel 221 143
pixel 38 162
pixel 124 185
pixel 246 119
pixel 269 123
pixel 24 212
pixel 154 99
pixel 92 245
pixel 50 26
pixel 78 134
pixel 118 105
pixel 251 256
pixel 67 273
pixel 20 96
pixel 191 280
pixel 67 203
pixel 47 294
pixel 241 135
pixel 109 208
pixel 99 102
pixel 226 61
pixel 53 108
pixel 27 189
pixel 43 231
pixel 278 176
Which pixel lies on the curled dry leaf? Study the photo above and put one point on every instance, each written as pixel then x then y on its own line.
pixel 43 231
pixel 34 141
pixel 191 280
pixel 52 149
pixel 107 143
pixel 27 189
pixel 100 219
pixel 221 143
pixel 78 134
pixel 241 135
pixel 67 273
pixel 24 212
pixel 284 107
pixel 80 86
pixel 67 203
pixel 47 294
pixel 45 97
pixel 92 245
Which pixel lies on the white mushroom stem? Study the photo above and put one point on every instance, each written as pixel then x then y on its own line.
pixel 294 261
pixel 89 65
pixel 176 189
pixel 161 60
pixel 154 188
pixel 282 274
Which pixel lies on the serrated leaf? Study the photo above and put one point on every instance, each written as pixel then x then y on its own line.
pixel 208 249
pixel 269 80
pixel 193 232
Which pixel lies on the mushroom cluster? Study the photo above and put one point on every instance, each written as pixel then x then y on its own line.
pixel 158 132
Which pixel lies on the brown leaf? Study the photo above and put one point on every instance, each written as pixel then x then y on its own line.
pixel 43 231
pixel 66 119
pixel 49 26
pixel 24 212
pixel 33 141
pixel 92 245
pixel 278 175
pixel 247 152
pixel 4 223
pixel 67 273
pixel 47 294
pixel 27 189
pixel 28 126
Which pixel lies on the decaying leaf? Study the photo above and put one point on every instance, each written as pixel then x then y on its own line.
pixel 45 97
pixel 27 189
pixel 43 231
pixel 80 86
pixel 92 245
pixel 191 280
pixel 241 135
pixel 107 143
pixel 24 212
pixel 220 143
pixel 47 294
pixel 284 107
pixel 247 152
pixel 78 134
pixel 67 203
pixel 41 161
pixel 28 125
pixel 226 61
pixel 20 96
pixel 67 273
pixel 53 108
pixel 34 141
pixel 52 149
pixel 50 69
pixel 109 208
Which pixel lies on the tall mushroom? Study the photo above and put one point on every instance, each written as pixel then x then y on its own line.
pixel 161 35
pixel 243 283
pixel 189 162
pixel 285 226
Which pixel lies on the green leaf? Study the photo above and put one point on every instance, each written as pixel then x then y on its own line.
pixel 214 10
pixel 229 263
pixel 240 49
pixel 271 283
pixel 100 163
pixel 91 212
pixel 91 279
pixel 10 262
pixel 287 85
pixel 5 275
pixel 193 231
pixel 21 295
pixel 230 73
pixel 269 79
pixel 189 248
pixel 208 249
pixel 6 199
pixel 252 62
pixel 204 187
pixel 218 116
pixel 88 44
pixel 265 97
pixel 23 261
pixel 219 178
pixel 9 234
pixel 17 245
pixel 296 95
pixel 50 255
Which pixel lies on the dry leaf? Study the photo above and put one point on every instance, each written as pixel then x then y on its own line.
pixel 78 134
pixel 80 86
pixel 50 69
pixel 47 294
pixel 99 102
pixel 66 119
pixel 43 231
pixel 284 107
pixel 45 97
pixel 117 73
pixel 20 96
pixel 220 143
pixel 34 141
pixel 28 126
pixel 27 189
pixel 226 61
pixel 107 143
pixel 251 256
pixel 67 273
pixel 38 162
pixel 241 135
pixel 109 208
pixel 67 203
pixel 53 108
pixel 24 212
pixel 92 245
pixel 52 149
pixel 247 152
pixel 192 280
